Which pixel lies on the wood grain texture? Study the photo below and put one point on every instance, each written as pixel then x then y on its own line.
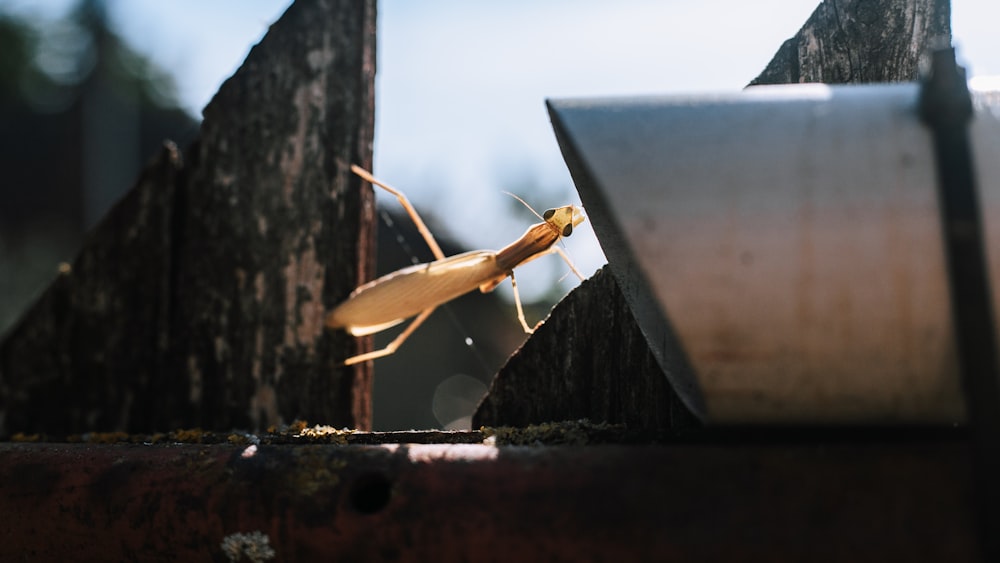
pixel 860 41
pixel 90 353
pixel 588 360
pixel 277 229
pixel 199 299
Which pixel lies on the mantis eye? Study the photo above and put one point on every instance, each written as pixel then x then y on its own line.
pixel 567 230
pixel 548 214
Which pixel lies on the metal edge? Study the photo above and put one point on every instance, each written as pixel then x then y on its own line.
pixel 653 321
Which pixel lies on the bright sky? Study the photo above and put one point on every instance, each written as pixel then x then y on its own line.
pixel 461 85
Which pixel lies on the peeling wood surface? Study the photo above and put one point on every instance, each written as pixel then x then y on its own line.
pixel 906 501
pixel 859 41
pixel 273 159
pixel 199 299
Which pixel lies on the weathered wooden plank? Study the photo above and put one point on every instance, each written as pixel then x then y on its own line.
pixel 276 227
pixel 860 41
pixel 901 500
pixel 89 354
pixel 588 360
pixel 198 301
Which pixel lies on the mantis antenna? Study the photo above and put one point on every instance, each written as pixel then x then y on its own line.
pixel 524 203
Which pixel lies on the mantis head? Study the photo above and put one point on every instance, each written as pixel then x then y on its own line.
pixel 563 219
pixel 560 219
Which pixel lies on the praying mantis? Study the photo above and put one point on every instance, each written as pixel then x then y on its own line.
pixel 418 290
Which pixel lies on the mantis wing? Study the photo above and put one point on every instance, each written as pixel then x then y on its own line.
pixel 395 297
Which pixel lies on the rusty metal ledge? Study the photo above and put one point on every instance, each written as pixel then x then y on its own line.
pixel 475 502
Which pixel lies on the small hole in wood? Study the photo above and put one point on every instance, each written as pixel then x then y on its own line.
pixel 371 493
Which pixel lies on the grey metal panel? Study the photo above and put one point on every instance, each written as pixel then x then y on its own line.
pixel 781 246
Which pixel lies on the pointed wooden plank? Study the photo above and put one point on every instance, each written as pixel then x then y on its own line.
pixel 271 234
pixel 860 41
pixel 90 353
pixel 588 360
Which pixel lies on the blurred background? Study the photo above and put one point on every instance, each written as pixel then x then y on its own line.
pixel 90 88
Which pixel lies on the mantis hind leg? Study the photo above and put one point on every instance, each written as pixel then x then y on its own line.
pixel 410 210
pixel 395 344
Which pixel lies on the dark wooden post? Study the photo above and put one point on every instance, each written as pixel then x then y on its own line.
pixel 850 41
pixel 199 299
pixel 270 237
